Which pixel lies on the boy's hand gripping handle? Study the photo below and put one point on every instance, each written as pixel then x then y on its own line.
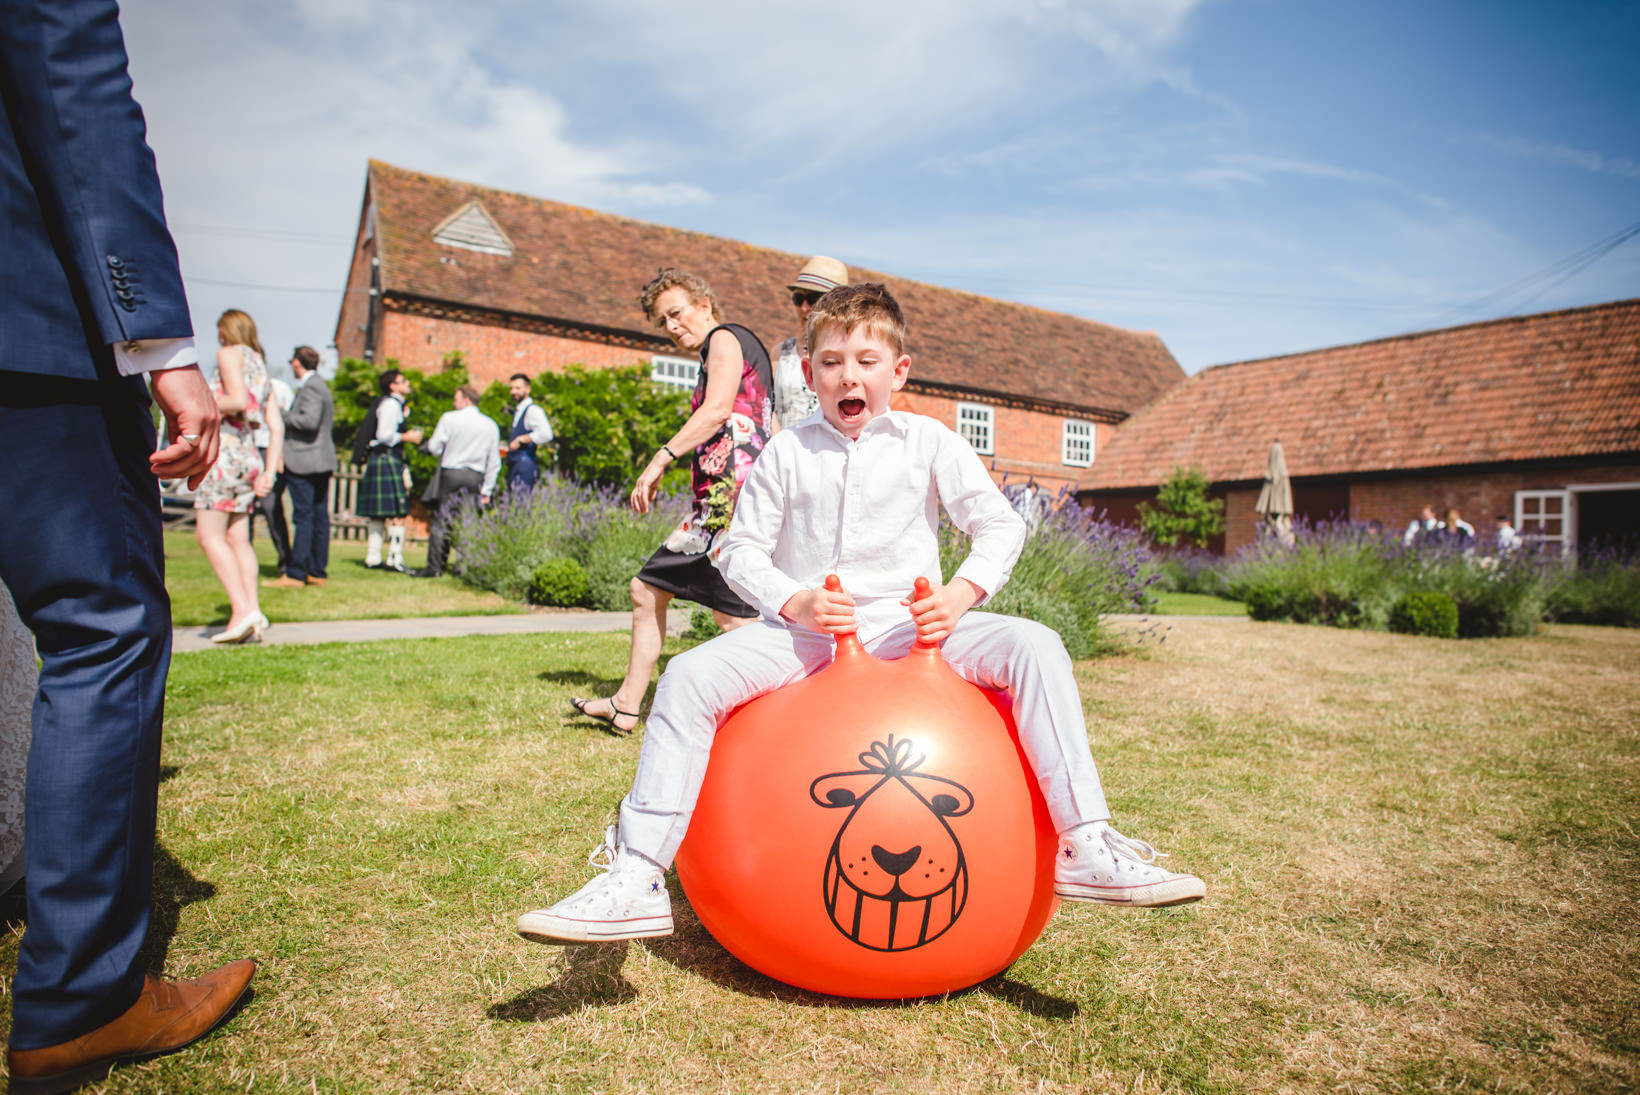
pixel 920 590
pixel 847 644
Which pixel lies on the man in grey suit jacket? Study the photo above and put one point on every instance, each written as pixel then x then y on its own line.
pixel 310 460
pixel 90 297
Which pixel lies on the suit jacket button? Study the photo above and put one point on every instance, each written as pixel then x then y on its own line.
pixel 115 262
pixel 128 304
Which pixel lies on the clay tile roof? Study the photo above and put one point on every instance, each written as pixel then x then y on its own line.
pixel 583 267
pixel 1556 384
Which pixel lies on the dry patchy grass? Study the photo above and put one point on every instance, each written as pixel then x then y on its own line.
pixel 1420 857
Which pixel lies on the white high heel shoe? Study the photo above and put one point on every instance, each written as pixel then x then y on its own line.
pixel 249 630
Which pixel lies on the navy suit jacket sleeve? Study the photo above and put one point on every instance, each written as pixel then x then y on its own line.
pixel 89 260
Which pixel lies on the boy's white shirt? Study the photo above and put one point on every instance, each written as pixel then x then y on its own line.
pixel 815 503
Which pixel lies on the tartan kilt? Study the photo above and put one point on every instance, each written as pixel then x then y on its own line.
pixel 381 491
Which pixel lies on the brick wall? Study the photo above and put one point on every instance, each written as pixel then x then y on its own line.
pixel 1478 497
pixel 1028 443
pixel 492 352
pixel 1240 519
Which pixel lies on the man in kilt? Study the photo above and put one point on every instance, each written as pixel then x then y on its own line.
pixel 383 496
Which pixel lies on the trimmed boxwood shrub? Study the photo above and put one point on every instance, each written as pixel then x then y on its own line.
pixel 1433 614
pixel 560 582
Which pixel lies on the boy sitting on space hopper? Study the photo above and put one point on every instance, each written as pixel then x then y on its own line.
pixel 852 491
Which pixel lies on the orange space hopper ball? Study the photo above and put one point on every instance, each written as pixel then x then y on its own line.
pixel 872 831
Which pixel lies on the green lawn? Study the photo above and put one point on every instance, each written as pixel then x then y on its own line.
pixel 1421 860
pixel 1197 604
pixel 353 592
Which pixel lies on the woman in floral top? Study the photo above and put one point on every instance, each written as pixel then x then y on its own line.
pixel 729 425
pixel 223 502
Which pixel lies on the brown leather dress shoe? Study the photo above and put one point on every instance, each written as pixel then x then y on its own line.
pixel 312 581
pixel 283 582
pixel 167 1016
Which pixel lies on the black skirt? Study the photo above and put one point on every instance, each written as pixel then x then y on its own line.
pixel 694 578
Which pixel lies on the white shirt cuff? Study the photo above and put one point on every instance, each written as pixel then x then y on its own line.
pixel 151 355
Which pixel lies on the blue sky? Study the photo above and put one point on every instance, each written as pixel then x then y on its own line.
pixel 1244 177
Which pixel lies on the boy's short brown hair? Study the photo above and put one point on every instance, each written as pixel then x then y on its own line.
pixel 673 278
pixel 848 306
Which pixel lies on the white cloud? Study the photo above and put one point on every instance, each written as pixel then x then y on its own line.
pixel 263 120
pixel 1595 163
pixel 853 75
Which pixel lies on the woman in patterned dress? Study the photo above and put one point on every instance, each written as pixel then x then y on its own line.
pixel 729 425
pixel 223 502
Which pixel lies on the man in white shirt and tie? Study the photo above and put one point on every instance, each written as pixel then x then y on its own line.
pixel 468 443
pixel 530 430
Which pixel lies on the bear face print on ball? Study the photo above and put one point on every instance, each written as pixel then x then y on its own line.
pixel 872 831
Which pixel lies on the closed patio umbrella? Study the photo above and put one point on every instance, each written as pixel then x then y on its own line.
pixel 1275 499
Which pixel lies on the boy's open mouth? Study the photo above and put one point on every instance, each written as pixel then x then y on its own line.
pixel 851 407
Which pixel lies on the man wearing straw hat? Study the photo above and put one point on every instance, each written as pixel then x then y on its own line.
pixel 794 400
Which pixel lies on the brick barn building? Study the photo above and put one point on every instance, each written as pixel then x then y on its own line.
pixel 519 284
pixel 1536 417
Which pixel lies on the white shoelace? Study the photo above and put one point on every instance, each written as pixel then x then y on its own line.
pixel 604 855
pixel 1130 848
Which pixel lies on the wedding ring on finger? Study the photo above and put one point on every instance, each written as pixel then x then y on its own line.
pixel 191 438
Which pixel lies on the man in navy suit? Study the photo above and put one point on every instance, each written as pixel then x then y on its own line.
pixel 91 297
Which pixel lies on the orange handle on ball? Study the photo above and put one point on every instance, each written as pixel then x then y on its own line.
pixel 848 644
pixel 920 589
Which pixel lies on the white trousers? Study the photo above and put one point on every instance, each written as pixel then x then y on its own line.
pixel 702 686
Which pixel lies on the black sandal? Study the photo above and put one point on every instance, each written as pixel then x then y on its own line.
pixel 580 705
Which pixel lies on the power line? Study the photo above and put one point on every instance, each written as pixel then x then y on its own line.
pixel 1551 275
pixel 274 234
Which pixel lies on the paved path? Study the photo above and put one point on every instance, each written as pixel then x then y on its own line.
pixel 186 639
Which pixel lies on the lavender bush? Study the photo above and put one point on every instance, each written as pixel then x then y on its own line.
pixel 1075 566
pixel 501 546
pixel 1602 588
pixel 1333 573
pixel 1190 570
pixel 1346 575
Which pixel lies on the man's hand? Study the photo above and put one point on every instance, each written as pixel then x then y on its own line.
pixel 411 436
pixel 828 611
pixel 192 424
pixel 936 614
pixel 263 485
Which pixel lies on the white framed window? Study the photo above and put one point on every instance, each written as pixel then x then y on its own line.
pixel 1076 443
pixel 680 372
pixel 977 424
pixel 1545 516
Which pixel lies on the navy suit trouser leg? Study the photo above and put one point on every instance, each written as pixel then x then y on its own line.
pixel 81 552
pixel 310 514
pixel 522 472
pixel 272 508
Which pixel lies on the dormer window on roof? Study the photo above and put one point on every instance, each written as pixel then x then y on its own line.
pixel 471 228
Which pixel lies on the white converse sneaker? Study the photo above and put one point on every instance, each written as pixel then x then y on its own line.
pixel 1097 863
pixel 627 901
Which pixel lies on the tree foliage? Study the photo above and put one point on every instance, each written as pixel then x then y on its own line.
pixel 607 423
pixel 1183 511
